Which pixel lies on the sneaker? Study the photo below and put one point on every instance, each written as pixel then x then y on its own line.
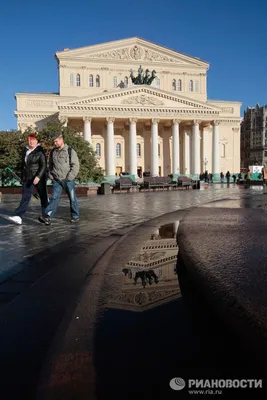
pixel 45 219
pixel 74 219
pixel 16 219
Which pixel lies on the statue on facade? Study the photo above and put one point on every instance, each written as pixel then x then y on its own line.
pixel 143 78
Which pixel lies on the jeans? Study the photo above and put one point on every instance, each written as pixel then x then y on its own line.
pixel 27 191
pixel 69 187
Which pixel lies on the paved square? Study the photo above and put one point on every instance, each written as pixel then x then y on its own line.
pixel 100 216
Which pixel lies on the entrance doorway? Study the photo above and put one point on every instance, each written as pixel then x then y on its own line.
pixel 118 170
pixel 159 171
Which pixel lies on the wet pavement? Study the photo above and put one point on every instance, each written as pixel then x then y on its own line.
pixel 141 321
pixel 137 323
pixel 22 246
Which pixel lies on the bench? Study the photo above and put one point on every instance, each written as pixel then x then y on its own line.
pixel 184 181
pixel 123 184
pixel 154 182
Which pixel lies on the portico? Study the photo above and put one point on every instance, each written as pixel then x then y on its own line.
pixel 184 154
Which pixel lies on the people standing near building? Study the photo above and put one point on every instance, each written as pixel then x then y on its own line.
pixel 63 168
pixel 33 175
pixel 228 175
pixel 248 177
pixel 264 174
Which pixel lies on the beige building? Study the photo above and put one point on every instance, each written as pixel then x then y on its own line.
pixel 167 127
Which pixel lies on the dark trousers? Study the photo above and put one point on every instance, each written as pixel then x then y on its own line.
pixel 27 192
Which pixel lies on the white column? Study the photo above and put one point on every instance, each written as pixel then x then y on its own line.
pixel 187 161
pixel 216 148
pixel 63 120
pixel 175 147
pixel 154 148
pixel 132 147
pixel 205 146
pixel 87 129
pixel 196 148
pixel 110 148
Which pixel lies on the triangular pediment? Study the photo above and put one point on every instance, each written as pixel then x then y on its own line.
pixel 131 50
pixel 139 96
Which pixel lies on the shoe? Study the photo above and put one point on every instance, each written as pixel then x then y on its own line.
pixel 45 219
pixel 16 219
pixel 74 219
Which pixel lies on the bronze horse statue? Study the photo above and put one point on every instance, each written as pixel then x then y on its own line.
pixel 145 79
pixel 153 76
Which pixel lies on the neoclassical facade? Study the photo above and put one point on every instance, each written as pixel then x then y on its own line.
pixel 167 127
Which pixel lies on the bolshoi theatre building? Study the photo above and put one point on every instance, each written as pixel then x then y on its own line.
pixel 142 106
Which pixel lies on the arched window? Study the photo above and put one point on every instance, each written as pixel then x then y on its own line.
pixel 71 80
pixel 174 84
pixel 191 86
pixel 126 81
pixel 115 81
pixel 91 80
pixel 157 82
pixel 97 81
pixel 179 85
pixel 78 80
pixel 118 150
pixel 159 150
pixel 138 150
pixel 196 86
pixel 98 149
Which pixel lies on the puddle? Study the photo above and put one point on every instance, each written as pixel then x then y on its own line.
pixel 149 278
pixel 150 332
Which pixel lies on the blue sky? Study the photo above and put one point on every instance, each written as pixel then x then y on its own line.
pixel 229 34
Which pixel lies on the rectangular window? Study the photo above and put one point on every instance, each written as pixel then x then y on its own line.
pixel 197 86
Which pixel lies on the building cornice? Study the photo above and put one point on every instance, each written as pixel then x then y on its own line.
pixel 143 112
pixel 34 115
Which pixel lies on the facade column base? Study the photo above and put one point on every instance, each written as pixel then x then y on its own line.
pixel 216 177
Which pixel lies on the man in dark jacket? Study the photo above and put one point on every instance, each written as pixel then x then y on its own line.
pixel 33 174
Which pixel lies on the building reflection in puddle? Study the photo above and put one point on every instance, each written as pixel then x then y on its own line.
pixel 149 279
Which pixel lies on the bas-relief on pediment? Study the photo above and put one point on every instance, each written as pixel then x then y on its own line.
pixel 135 53
pixel 140 97
pixel 143 300
pixel 143 100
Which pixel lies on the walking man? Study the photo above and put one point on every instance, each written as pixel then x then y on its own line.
pixel 33 175
pixel 63 169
